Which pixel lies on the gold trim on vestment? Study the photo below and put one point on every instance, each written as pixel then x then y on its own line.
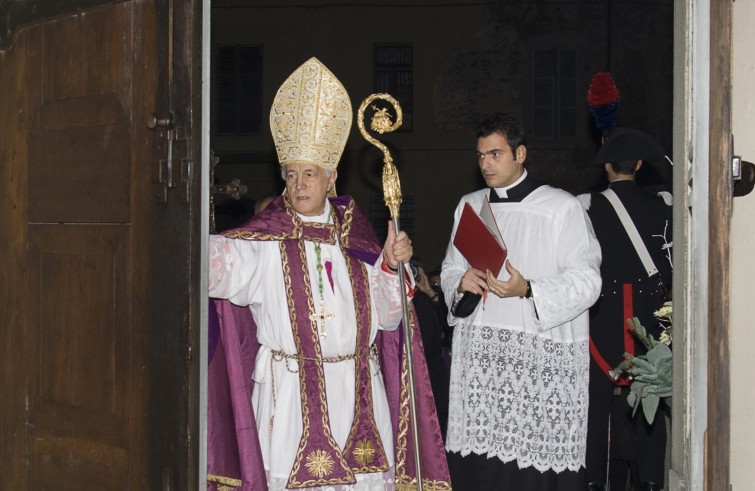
pixel 364 452
pixel 403 420
pixel 298 230
pixel 405 482
pixel 319 464
pixel 348 219
pixel 252 235
pixel 426 484
pixel 224 483
pixel 320 380
pixel 376 440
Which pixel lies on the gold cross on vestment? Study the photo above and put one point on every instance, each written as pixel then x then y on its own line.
pixel 322 315
pixel 321 320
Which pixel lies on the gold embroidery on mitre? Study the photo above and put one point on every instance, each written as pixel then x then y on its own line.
pixel 319 463
pixel 364 452
pixel 311 117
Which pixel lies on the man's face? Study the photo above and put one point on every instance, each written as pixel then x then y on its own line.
pixel 500 166
pixel 307 186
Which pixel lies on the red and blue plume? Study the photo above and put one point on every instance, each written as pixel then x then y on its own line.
pixel 603 99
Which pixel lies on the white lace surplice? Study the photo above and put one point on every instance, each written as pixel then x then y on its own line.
pixel 519 381
pixel 249 273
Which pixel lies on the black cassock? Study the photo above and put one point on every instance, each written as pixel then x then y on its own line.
pixel 627 292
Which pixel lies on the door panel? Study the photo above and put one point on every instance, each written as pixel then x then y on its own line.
pixel 78 284
pixel 80 331
pixel 95 273
pixel 79 161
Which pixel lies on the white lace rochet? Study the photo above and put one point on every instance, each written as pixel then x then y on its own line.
pixel 521 397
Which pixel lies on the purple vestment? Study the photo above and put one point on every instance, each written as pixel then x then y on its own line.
pixel 234 458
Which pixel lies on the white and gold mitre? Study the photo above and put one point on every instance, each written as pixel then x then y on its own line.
pixel 311 117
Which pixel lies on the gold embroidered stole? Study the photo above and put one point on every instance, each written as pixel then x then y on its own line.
pixel 318 460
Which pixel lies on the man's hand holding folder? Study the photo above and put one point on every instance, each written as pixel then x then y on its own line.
pixel 480 242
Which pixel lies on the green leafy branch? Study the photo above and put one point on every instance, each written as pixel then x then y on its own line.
pixel 651 373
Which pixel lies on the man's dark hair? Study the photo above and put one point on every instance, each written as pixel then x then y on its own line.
pixel 624 166
pixel 507 125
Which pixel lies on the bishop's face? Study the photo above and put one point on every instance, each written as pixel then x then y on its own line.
pixel 307 186
pixel 500 166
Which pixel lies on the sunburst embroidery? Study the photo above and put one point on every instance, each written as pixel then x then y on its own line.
pixel 364 452
pixel 319 463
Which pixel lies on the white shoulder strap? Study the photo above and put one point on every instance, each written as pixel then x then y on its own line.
pixel 631 229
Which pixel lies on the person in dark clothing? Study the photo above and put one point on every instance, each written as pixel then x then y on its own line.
pixel 632 287
pixel 448 331
pixel 433 325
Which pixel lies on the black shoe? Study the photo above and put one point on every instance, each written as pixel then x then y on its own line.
pixel 650 486
pixel 594 486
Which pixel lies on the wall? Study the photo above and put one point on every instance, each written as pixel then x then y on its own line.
pixel 742 259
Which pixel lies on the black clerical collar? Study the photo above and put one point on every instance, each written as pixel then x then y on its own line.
pixel 517 192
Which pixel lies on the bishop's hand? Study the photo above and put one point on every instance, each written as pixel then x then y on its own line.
pixel 397 247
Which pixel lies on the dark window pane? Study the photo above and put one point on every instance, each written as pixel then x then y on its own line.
pixel 567 93
pixel 568 63
pixel 568 123
pixel 544 93
pixel 545 63
pixel 394 75
pixel 554 94
pixel 379 216
pixel 238 90
pixel 543 123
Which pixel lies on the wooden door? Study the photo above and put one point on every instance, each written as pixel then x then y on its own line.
pixel 721 192
pixel 99 217
pixel 700 450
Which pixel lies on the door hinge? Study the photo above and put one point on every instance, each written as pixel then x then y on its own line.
pixel 172 169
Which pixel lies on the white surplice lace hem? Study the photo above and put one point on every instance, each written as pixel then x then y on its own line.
pixel 519 396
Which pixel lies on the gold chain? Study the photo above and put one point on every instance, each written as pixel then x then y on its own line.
pixel 279 355
pixel 322 315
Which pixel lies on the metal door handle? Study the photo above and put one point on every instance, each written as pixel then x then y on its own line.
pixel 154 122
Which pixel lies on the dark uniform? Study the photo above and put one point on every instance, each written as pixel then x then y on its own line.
pixel 627 292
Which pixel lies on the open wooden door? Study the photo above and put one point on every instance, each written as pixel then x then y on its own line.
pixel 721 189
pixel 99 212
pixel 703 193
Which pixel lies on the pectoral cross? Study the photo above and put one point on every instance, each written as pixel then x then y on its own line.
pixel 322 315
pixel 320 318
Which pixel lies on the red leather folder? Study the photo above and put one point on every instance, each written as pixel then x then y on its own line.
pixel 477 243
